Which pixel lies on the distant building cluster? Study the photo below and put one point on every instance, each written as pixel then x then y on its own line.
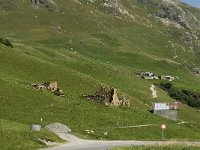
pixel 151 76
pixel 196 71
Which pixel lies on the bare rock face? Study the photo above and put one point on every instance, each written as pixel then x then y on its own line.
pixel 112 6
pixel 174 13
pixel 112 3
pixel 49 4
pixel 115 7
pixel 36 2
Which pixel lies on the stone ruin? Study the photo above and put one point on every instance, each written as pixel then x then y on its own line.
pixel 49 86
pixel 108 97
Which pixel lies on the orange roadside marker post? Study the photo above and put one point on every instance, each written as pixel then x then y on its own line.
pixel 163 127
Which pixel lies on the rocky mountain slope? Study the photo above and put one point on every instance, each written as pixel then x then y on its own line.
pixel 84 45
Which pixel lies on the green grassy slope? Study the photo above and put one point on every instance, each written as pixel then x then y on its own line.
pixel 18 136
pixel 82 47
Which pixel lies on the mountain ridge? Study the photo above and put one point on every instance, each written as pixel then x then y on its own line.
pixel 84 45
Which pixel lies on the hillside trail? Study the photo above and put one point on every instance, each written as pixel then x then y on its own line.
pixel 154 93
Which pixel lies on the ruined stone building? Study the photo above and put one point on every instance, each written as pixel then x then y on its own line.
pixel 49 86
pixel 52 86
pixel 108 97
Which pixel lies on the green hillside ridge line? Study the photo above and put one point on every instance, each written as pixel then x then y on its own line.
pixel 85 46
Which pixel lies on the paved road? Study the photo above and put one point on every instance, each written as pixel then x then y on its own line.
pixel 80 144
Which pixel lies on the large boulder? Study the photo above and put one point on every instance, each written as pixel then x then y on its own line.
pixel 58 128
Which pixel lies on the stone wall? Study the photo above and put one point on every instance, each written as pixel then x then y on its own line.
pixel 168 114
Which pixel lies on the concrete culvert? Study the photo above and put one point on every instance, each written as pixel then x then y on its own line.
pixel 35 127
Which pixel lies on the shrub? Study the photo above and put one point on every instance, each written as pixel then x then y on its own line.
pixel 166 85
pixel 58 92
pixel 6 42
pixel 187 97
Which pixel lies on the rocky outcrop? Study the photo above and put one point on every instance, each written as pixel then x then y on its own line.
pixel 49 4
pixel 112 3
pixel 6 42
pixel 36 2
pixel 115 7
pixel 176 14
pixel 173 12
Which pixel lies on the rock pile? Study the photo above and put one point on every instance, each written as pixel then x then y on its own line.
pixel 108 97
pixel 38 2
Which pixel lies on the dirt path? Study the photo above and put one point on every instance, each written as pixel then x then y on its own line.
pixel 154 93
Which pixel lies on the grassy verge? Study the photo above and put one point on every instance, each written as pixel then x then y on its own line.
pixel 99 49
pixel 171 147
pixel 17 136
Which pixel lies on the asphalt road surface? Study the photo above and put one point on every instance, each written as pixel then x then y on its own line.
pixel 80 144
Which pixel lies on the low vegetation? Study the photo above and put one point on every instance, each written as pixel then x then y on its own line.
pixel 6 42
pixel 19 136
pixel 190 98
pixel 172 147
pixel 83 47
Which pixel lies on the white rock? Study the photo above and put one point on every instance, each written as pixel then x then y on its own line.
pixel 58 128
